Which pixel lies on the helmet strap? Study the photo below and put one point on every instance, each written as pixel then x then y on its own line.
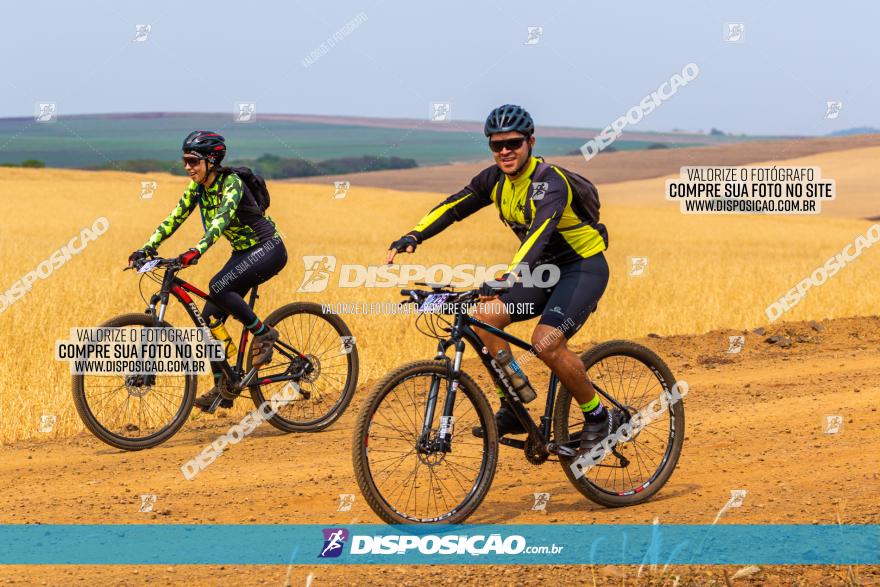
pixel 208 173
pixel 210 168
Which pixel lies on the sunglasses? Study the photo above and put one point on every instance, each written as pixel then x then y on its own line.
pixel 512 144
pixel 190 161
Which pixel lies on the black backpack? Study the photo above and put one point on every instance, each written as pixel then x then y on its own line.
pixel 254 185
pixel 584 202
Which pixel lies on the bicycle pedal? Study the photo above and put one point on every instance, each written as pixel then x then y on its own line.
pixel 520 444
pixel 214 405
pixel 563 450
pixel 227 394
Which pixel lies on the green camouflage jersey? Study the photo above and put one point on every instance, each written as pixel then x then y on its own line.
pixel 218 206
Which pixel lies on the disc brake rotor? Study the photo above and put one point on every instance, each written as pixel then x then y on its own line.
pixel 139 385
pixel 310 376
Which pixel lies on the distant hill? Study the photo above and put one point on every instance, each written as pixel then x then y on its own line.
pixel 613 167
pixel 859 130
pixel 94 140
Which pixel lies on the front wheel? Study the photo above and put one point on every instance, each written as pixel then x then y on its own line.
pixel 406 472
pixel 317 352
pixel 638 467
pixel 134 412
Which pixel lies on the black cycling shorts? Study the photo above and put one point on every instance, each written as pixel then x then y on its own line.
pixel 566 305
pixel 244 270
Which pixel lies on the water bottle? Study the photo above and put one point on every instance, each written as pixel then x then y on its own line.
pixel 518 379
pixel 218 331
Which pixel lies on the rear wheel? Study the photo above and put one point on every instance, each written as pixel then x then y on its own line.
pixel 326 376
pixel 636 469
pixel 134 412
pixel 408 477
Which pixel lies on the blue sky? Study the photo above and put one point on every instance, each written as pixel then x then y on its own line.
pixel 593 62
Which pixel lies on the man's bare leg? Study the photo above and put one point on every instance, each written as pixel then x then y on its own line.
pixel 552 348
pixel 492 312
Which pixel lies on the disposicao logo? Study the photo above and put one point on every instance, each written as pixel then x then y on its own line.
pixel 334 541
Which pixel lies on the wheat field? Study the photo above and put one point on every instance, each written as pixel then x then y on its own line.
pixel 704 272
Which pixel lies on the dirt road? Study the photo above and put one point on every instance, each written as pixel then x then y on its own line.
pixel 755 421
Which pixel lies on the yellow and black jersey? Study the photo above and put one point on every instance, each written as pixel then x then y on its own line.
pixel 538 208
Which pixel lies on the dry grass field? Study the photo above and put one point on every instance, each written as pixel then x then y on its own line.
pixel 854 171
pixel 704 272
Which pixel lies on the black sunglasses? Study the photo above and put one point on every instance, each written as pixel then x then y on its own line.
pixel 512 144
pixel 191 160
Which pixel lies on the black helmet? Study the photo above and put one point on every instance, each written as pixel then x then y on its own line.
pixel 509 118
pixel 208 144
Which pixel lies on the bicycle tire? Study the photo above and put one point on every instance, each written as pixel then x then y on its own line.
pixel 336 410
pixel 94 425
pixel 644 492
pixel 360 445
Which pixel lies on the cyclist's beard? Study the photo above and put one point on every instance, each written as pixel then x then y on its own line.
pixel 522 165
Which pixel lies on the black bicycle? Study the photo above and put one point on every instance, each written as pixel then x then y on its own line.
pixel 315 351
pixel 417 461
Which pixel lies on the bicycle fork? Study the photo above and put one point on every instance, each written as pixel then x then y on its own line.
pixel 442 442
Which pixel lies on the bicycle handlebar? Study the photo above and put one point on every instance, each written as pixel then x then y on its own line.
pixel 420 295
pixel 171 263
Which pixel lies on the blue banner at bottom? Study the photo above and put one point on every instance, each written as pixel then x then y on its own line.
pixel 462 544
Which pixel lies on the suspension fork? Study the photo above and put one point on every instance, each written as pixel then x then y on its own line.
pixel 151 309
pixel 164 293
pixel 447 420
pixel 444 435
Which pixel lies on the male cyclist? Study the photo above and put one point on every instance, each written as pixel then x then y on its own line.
pixel 258 253
pixel 535 200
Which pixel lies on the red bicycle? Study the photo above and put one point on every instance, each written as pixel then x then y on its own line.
pixel 315 351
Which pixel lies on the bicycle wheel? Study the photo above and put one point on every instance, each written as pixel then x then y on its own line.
pixel 638 468
pixel 327 380
pixel 409 480
pixel 134 412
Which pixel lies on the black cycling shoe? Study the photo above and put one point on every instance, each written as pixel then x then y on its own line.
pixel 506 423
pixel 208 402
pixel 595 432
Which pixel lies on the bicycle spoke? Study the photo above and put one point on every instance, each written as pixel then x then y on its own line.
pixel 633 384
pixel 316 337
pixel 420 483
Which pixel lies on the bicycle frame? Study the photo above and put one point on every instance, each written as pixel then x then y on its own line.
pixel 463 329
pixel 180 289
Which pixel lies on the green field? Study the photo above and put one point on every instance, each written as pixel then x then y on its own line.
pixel 85 141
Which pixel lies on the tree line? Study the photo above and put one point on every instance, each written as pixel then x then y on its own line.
pixel 272 166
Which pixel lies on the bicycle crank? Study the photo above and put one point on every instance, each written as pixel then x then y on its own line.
pixel 536 451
